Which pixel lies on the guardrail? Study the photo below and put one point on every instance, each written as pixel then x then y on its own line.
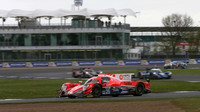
pixel 94 63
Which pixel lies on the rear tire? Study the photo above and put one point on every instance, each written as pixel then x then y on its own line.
pixel 140 76
pixel 139 90
pixel 74 75
pixel 115 95
pixel 70 96
pixel 96 91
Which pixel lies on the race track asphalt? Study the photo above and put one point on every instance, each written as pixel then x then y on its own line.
pixel 66 72
pixel 145 96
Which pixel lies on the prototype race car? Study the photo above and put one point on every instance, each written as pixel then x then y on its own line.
pixel 85 73
pixel 175 64
pixel 154 73
pixel 106 84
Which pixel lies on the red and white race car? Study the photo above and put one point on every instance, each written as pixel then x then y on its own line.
pixel 106 84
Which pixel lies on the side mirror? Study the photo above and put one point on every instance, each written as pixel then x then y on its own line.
pixel 148 80
pixel 80 82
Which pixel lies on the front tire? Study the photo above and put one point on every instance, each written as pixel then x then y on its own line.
pixel 139 90
pixel 96 91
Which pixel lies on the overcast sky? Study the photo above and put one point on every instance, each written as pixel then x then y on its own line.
pixel 151 11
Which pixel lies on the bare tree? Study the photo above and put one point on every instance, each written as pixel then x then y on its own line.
pixel 175 26
pixel 193 39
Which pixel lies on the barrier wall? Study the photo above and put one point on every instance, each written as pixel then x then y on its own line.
pixel 94 63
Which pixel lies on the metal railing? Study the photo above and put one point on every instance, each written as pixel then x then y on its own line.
pixel 60 26
pixel 61 43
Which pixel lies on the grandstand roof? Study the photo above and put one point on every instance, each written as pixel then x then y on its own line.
pixel 17 13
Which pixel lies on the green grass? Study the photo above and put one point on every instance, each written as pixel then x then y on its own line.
pixel 175 72
pixel 185 71
pixel 10 88
pixel 158 86
pixel 29 88
pixel 188 104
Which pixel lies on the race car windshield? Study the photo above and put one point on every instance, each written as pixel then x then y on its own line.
pixel 158 71
pixel 89 70
pixel 91 80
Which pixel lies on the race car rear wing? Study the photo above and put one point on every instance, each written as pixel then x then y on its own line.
pixel 121 77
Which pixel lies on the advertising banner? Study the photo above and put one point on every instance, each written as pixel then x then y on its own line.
pixel 39 64
pixel 167 61
pixel 98 63
pixel 193 61
pixel 132 62
pixel 109 62
pixel 86 63
pixel 121 62
pixel 75 63
pixel 17 64
pixel 6 65
pixel 156 62
pixel 144 62
pixel 197 61
pixel 60 64
pixel 183 60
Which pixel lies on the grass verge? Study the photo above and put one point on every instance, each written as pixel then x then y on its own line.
pixel 32 88
pixel 188 104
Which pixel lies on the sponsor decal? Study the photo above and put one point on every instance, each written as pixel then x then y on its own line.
pixel 109 62
pixel 124 77
pixel 121 77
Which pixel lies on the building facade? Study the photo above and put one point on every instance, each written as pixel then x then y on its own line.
pixel 82 39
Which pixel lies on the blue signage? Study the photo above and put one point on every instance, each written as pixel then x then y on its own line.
pixel 109 62
pixel 132 62
pixel 198 61
pixel 78 2
pixel 183 60
pixel 1 65
pixel 17 64
pixel 86 63
pixel 67 63
pixel 156 62
pixel 40 64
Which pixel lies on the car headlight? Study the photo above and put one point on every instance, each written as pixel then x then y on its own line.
pixel 85 87
pixel 169 73
pixel 86 72
pixel 64 87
